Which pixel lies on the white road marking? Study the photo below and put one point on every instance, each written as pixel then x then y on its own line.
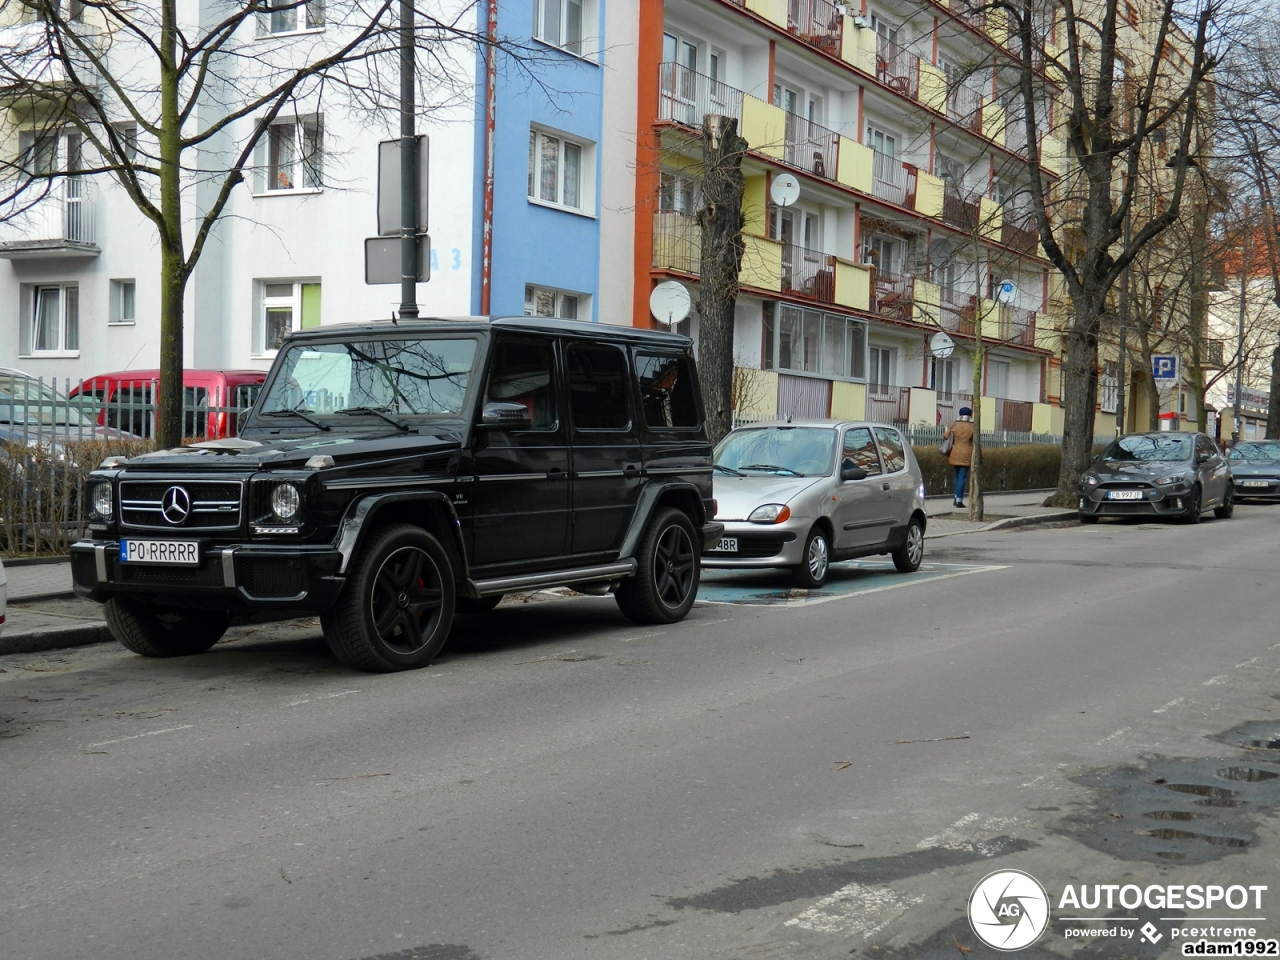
pixel 1247 662
pixel 971 832
pixel 323 696
pixel 1213 681
pixel 1119 733
pixel 857 909
pixel 811 600
pixel 139 736
pixel 1171 703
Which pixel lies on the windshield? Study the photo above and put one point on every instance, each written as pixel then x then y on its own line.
pixel 27 401
pixel 1148 448
pixel 781 451
pixel 422 376
pixel 1256 451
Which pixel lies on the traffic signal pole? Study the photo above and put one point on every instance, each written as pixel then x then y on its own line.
pixel 408 168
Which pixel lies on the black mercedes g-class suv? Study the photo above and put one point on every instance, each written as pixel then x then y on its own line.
pixel 392 475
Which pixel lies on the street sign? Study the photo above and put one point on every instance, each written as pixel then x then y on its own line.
pixel 382 259
pixel 941 345
pixel 389 187
pixel 1164 367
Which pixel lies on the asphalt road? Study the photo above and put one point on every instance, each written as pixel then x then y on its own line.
pixel 564 784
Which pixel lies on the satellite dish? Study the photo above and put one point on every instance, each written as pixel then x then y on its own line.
pixel 670 302
pixel 941 345
pixel 1007 292
pixel 784 190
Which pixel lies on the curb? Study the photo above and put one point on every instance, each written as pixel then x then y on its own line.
pixel 1034 520
pixel 54 638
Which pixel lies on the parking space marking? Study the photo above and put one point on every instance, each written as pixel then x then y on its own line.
pixel 847 579
pixel 139 736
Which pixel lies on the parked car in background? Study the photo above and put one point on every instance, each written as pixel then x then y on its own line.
pixel 1157 474
pixel 33 413
pixel 1255 469
pixel 4 596
pixel 214 401
pixel 806 493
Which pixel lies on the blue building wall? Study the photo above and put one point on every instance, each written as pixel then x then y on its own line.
pixel 534 244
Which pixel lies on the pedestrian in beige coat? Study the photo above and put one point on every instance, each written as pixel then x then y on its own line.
pixel 961 454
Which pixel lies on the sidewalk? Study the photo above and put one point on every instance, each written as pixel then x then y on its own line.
pixel 1001 511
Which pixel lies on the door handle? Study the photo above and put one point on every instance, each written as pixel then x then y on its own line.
pixel 631 468
pixel 884 486
pixel 555 473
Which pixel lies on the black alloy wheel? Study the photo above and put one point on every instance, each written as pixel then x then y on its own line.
pixel 159 632
pixel 1194 506
pixel 666 583
pixel 1228 506
pixel 398 604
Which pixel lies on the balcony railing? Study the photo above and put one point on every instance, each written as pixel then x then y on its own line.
pixel 890 178
pixel 817 23
pixel 891 295
pixel 1016 325
pixel 949 404
pixel 62 223
pixel 1211 354
pixel 685 96
pixel 677 243
pixel 964 106
pixel 1019 236
pixel 811 147
pixel 897 68
pixel 808 273
pixel 962 212
pixel 886 404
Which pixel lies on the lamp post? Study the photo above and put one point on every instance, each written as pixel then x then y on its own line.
pixel 408 168
pixel 1244 290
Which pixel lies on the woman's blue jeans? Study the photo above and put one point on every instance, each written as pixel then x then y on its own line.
pixel 962 478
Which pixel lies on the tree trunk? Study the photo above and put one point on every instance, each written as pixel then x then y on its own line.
pixel 1080 398
pixel 1273 405
pixel 721 221
pixel 976 505
pixel 173 266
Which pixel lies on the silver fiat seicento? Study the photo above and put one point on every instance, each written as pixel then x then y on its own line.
pixel 806 493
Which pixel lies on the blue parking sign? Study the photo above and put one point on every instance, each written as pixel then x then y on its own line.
pixel 1164 367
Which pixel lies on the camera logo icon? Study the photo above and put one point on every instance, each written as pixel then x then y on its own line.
pixel 1009 910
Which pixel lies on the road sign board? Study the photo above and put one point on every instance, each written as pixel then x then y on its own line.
pixel 382 259
pixel 1164 367
pixel 389 187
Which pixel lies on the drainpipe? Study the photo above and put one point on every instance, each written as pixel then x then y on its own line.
pixel 490 121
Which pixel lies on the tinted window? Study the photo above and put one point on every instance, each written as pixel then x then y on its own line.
pixel 597 387
pixel 666 391
pixel 1205 447
pixel 891 446
pixel 860 450
pixel 521 373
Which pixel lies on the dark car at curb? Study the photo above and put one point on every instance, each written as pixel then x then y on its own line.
pixel 1161 474
pixel 1255 469
pixel 392 475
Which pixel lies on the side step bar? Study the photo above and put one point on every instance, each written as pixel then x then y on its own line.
pixel 555 578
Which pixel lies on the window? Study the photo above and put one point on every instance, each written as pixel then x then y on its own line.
pixel 1110 386
pixel 997 377
pixel 123 302
pixel 879 250
pixel 677 193
pixel 43 152
pixel 886 30
pixel 127 135
pixel 597 387
pixel 290 18
pixel 559 23
pixel 891 446
pixel 811 342
pixel 860 450
pixel 678 50
pixel 666 391
pixel 285 306
pixel 884 361
pixel 545 302
pixel 290 156
pixel 555 170
pixel 55 319
pixel 521 372
pixel 786 98
pixel 942 376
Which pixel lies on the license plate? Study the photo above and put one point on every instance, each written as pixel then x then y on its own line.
pixel 181 553
pixel 1256 483
pixel 727 545
pixel 1124 494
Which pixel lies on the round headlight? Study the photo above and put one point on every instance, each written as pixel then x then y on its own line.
pixel 100 497
pixel 770 513
pixel 285 501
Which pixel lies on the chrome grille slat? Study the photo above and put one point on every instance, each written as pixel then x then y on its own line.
pixel 212 506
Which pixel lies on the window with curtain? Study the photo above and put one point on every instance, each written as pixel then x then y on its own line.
pixel 556 170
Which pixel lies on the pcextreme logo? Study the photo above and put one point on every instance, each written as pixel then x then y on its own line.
pixel 1008 910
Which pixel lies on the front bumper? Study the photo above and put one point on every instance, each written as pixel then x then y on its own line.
pixel 762 544
pixel 711 533
pixel 256 576
pixel 1241 489
pixel 1154 502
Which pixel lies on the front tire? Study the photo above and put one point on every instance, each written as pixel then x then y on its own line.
pixel 907 557
pixel 1088 518
pixel 666 583
pixel 1228 507
pixel 476 605
pixel 815 566
pixel 1194 502
pixel 156 632
pixel 398 604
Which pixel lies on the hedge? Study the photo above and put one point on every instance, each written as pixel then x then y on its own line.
pixel 1031 466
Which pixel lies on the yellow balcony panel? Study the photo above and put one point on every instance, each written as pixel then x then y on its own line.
pixel 764 126
pixel 848 400
pixel 775 11
pixel 755 205
pixel 859 46
pixel 990 219
pixel 761 264
pixel 756 393
pixel 926 302
pixel 993 122
pixel 923 407
pixel 929 191
pixel 1053 154
pixel 933 87
pixel 854 167
pixel 853 285
pixel 997 25
pixel 1041 418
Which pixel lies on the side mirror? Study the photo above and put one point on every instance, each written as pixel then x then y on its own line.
pixel 850 472
pixel 1203 457
pixel 505 416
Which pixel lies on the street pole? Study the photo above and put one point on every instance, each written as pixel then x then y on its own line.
pixel 1124 337
pixel 408 169
pixel 1244 284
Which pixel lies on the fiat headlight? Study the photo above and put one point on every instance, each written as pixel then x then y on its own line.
pixel 100 500
pixel 285 501
pixel 770 513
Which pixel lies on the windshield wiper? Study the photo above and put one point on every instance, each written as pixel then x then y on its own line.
pixel 729 470
pixel 773 468
pixel 399 424
pixel 293 412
